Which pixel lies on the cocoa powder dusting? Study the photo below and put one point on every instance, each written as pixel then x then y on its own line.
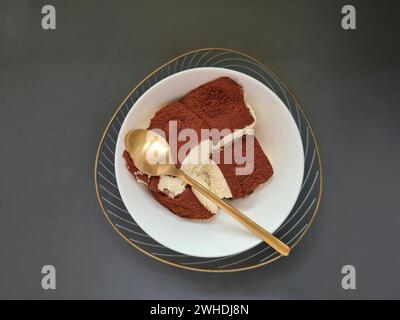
pixel 243 185
pixel 220 103
pixel 184 118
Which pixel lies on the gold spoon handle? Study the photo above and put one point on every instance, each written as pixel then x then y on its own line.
pixel 274 242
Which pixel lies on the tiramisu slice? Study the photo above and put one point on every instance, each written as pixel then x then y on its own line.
pixel 220 105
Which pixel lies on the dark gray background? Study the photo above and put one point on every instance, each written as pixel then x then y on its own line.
pixel 59 88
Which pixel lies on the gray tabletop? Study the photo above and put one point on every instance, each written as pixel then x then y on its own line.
pixel 58 89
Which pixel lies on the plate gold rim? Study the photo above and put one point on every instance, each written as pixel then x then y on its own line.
pixel 175 264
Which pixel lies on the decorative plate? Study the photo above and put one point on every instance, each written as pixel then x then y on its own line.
pixel 291 230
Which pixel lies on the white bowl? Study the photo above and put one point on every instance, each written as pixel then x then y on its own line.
pixel 269 205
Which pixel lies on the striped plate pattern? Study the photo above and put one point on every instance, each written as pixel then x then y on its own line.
pixel 291 231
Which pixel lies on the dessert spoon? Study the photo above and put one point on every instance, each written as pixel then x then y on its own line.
pixel 151 154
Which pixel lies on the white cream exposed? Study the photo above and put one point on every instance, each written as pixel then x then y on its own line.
pixel 211 177
pixel 200 167
pixel 171 186
pixel 139 175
